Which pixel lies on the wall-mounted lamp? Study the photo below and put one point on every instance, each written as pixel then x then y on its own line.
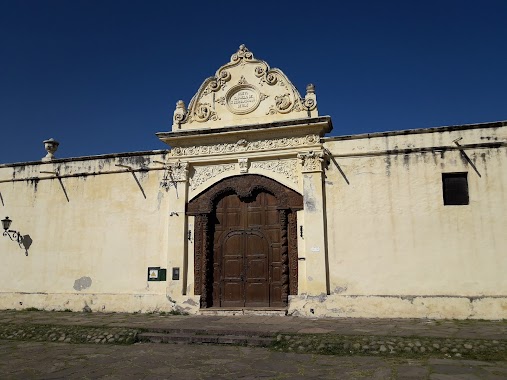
pixel 13 235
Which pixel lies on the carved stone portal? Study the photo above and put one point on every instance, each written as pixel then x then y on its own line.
pixel 245 187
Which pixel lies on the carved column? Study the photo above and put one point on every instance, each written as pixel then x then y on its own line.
pixel 207 264
pixel 284 255
pixel 200 220
pixel 315 245
pixel 293 253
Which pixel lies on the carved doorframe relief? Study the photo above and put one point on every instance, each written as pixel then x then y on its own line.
pixel 245 186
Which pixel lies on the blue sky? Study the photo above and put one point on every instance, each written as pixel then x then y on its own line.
pixel 104 76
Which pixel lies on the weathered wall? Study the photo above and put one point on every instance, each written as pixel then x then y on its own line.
pixel 394 249
pixel 377 241
pixel 94 233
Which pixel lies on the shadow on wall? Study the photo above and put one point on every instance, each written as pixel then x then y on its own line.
pixel 26 241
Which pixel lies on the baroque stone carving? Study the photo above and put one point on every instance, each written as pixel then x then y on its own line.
pixel 311 161
pixel 180 112
pixel 242 54
pixel 288 168
pixel 282 105
pixel 204 173
pixel 203 206
pixel 211 104
pixel 243 165
pixel 178 171
pixel 246 146
pixel 310 98
pixel 174 172
pixel 244 186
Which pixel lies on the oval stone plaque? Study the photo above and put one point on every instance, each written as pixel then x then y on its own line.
pixel 243 99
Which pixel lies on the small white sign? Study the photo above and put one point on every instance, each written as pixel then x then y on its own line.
pixel 315 249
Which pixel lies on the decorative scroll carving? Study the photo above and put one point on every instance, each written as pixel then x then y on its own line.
pixel 284 256
pixel 282 105
pixel 204 173
pixel 243 165
pixel 211 104
pixel 216 84
pixel 245 186
pixel 288 168
pixel 311 161
pixel 288 201
pixel 293 253
pixel 204 112
pixel 242 54
pixel 246 146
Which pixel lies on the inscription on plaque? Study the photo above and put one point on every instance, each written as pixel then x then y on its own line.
pixel 243 99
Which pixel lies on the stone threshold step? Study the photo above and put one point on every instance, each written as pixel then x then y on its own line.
pixel 232 311
pixel 150 337
pixel 210 331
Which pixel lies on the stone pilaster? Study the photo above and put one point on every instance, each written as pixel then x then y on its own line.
pixel 314 242
pixel 177 257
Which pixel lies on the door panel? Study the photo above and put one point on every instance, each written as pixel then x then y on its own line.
pixel 246 253
pixel 232 269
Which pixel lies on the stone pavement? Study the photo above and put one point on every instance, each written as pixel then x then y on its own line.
pixel 24 354
pixel 46 360
pixel 456 329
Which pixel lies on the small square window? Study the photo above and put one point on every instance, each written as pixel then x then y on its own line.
pixel 455 188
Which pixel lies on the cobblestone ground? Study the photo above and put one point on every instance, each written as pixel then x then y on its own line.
pixel 46 360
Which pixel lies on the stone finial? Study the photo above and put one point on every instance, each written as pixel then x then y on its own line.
pixel 310 98
pixel 51 146
pixel 179 113
pixel 242 53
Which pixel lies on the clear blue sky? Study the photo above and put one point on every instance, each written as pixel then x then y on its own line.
pixel 104 76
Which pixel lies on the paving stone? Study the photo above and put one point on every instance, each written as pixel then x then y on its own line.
pixel 412 372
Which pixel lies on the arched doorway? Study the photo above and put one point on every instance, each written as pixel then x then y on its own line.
pixel 245 248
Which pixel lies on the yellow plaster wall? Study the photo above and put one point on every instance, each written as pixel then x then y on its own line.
pixel 92 249
pixel 394 248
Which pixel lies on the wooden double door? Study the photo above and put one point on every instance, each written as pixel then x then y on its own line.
pixel 247 252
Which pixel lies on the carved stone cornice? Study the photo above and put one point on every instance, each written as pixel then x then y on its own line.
pixel 243 145
pixel 312 161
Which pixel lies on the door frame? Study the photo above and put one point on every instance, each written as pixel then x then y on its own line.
pixel 202 207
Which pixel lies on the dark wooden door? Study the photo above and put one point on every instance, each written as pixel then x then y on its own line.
pixel 246 253
pixel 245 269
